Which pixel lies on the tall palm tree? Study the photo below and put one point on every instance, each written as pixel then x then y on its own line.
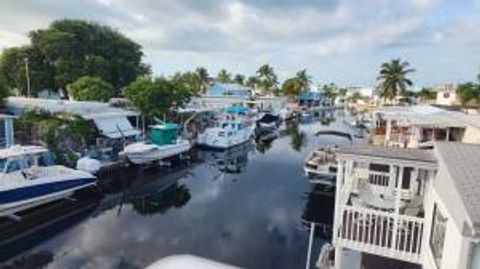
pixel 204 78
pixel 239 79
pixel 304 78
pixel 393 78
pixel 223 76
pixel 267 78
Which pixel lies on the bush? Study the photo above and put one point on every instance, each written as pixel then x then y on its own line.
pixel 90 89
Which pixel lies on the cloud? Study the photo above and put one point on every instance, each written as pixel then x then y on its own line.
pixel 241 34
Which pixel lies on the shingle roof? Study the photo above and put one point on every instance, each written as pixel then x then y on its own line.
pixel 463 164
pixel 419 155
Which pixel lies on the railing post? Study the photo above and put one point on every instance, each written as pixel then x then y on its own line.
pixel 310 242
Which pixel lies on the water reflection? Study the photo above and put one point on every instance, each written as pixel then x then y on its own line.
pixel 327 117
pixel 231 161
pixel 298 137
pixel 160 201
pixel 40 225
pixel 319 209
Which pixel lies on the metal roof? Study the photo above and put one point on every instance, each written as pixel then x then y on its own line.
pixel 463 164
pixel 417 155
pixel 87 110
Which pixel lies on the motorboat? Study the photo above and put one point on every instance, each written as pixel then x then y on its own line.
pixel 234 128
pixel 321 166
pixel 163 143
pixel 30 178
pixel 268 122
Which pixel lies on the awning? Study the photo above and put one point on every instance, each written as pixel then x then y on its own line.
pixel 115 127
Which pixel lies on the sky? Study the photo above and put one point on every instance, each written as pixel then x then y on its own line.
pixel 339 41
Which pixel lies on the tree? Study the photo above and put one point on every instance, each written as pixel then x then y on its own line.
pixel 154 97
pixel 189 80
pixel 204 78
pixel 267 79
pixel 239 79
pixel 393 78
pixel 469 93
pixel 223 76
pixel 4 88
pixel 330 90
pixel 304 78
pixel 70 49
pixel 251 82
pixel 90 89
pixel 426 94
pixel 292 86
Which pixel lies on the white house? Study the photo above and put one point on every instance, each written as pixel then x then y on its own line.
pixel 421 125
pixel 446 94
pixel 410 207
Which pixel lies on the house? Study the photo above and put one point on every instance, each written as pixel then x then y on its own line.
pixel 112 126
pixel 229 89
pixel 446 94
pixel 408 208
pixel 313 97
pixel 419 126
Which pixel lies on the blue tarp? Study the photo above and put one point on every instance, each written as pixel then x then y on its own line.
pixel 236 109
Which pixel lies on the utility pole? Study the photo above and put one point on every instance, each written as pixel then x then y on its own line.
pixel 28 76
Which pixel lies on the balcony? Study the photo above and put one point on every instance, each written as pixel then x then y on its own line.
pixel 381 233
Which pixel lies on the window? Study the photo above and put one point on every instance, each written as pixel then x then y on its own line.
pixel 446 95
pixel 437 237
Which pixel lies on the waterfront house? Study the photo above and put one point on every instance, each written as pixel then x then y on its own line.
pixel 229 89
pixel 419 126
pixel 408 208
pixel 313 97
pixel 112 126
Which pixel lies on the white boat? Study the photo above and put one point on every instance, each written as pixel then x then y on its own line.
pixel 321 166
pixel 163 143
pixel 29 177
pixel 232 130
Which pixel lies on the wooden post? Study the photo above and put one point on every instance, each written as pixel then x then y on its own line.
pixel 397 208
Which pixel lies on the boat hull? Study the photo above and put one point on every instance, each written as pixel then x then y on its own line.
pixel 152 153
pixel 26 197
pixel 221 143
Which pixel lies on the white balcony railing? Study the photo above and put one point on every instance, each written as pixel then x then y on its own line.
pixel 379 183
pixel 375 232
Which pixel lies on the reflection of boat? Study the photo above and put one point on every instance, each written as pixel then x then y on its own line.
pixel 42 224
pixel 233 160
pixel 233 129
pixel 319 210
pixel 160 200
pixel 30 178
pixel 321 166
pixel 164 143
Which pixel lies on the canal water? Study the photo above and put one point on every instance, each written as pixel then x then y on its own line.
pixel 248 207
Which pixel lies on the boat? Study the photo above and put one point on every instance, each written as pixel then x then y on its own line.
pixel 30 178
pixel 163 143
pixel 268 122
pixel 234 128
pixel 321 166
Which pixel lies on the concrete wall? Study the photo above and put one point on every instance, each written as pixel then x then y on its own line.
pixel 447 97
pixel 471 135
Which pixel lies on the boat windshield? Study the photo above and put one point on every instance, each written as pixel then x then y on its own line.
pixel 3 163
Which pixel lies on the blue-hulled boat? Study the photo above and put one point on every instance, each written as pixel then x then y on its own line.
pixel 29 178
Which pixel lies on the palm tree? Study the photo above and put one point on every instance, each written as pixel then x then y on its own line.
pixel 204 78
pixel 239 79
pixel 304 78
pixel 267 78
pixel 251 82
pixel 223 76
pixel 393 78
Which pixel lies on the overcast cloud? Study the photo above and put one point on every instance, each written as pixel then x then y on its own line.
pixel 337 41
